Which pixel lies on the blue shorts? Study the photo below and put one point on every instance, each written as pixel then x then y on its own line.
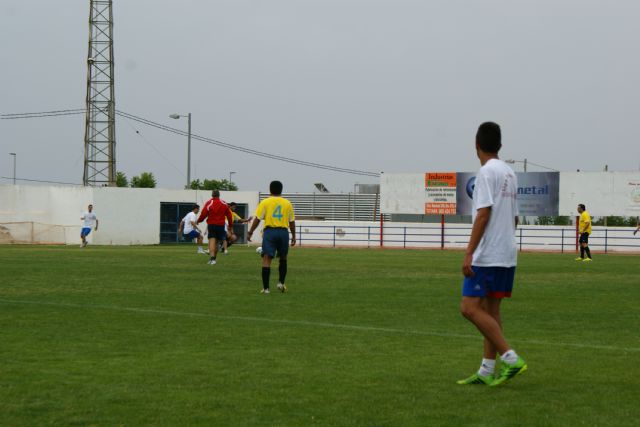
pixel 193 234
pixel 85 231
pixel 494 282
pixel 275 240
pixel 217 232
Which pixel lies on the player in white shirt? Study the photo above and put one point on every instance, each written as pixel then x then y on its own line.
pixel 189 228
pixel 490 259
pixel 89 218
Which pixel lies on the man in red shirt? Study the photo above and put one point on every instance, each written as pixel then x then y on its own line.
pixel 215 211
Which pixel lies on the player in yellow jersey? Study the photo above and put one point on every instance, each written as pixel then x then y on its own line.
pixel 231 236
pixel 278 216
pixel 584 228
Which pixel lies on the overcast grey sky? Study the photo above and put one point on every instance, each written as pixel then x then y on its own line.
pixel 394 86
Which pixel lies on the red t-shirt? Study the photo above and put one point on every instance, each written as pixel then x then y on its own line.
pixel 215 211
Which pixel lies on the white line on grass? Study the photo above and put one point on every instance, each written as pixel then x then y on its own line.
pixel 308 323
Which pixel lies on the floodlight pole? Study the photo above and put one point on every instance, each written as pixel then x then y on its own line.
pixel 14 167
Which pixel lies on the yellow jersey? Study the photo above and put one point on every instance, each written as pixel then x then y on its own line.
pixel 235 217
pixel 585 223
pixel 277 212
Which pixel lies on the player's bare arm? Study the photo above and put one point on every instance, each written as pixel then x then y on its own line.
pixel 292 228
pixel 253 227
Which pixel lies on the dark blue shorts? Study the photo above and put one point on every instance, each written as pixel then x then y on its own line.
pixel 85 231
pixel 495 282
pixel 216 232
pixel 275 240
pixel 584 238
pixel 193 234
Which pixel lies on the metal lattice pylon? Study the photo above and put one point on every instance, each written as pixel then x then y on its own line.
pixel 100 129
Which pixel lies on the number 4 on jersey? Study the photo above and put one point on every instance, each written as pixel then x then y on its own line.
pixel 278 212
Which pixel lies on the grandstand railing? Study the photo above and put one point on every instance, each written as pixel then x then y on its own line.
pixel 456 236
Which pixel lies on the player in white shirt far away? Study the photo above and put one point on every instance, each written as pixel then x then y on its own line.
pixel 189 228
pixel 89 218
pixel 490 259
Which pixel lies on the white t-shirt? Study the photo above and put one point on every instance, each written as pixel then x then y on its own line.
pixel 188 228
pixel 89 219
pixel 496 186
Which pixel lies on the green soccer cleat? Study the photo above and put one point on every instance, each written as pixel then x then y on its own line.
pixel 476 379
pixel 587 260
pixel 579 259
pixel 509 371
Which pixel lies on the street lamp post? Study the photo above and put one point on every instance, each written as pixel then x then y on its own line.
pixel 188 116
pixel 230 174
pixel 524 162
pixel 14 167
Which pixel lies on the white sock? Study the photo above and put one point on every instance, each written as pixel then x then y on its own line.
pixel 487 367
pixel 510 357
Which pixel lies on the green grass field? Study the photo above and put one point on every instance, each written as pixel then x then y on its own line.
pixel 154 336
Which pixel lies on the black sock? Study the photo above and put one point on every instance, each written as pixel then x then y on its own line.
pixel 581 251
pixel 213 258
pixel 266 272
pixel 282 270
pixel 588 251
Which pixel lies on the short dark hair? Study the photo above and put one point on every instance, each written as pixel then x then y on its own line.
pixel 489 137
pixel 275 188
pixel 233 204
pixel 196 206
pixel 583 207
pixel 215 193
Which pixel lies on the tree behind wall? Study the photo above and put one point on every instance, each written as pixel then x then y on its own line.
pixel 213 184
pixel 145 180
pixel 617 221
pixel 121 180
pixel 553 220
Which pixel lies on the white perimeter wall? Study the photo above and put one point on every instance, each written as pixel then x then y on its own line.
pixel 130 216
pixel 603 193
pixel 127 216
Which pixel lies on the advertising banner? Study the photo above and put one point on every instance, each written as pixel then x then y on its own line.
pixel 440 193
pixel 633 202
pixel 538 193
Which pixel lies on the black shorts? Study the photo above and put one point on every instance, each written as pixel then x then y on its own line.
pixel 216 232
pixel 584 238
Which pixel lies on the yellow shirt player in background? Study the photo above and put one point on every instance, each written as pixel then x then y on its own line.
pixel 279 219
pixel 231 236
pixel 584 228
